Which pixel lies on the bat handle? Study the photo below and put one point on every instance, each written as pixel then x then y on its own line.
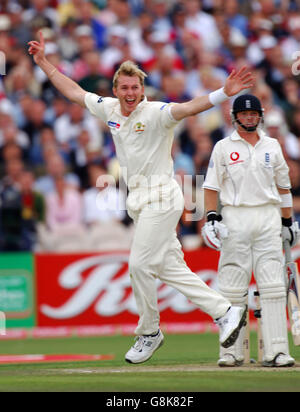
pixel 287 249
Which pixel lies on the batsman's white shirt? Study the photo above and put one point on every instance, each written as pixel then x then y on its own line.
pixel 247 175
pixel 143 140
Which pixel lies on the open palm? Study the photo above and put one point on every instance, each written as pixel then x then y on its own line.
pixel 238 81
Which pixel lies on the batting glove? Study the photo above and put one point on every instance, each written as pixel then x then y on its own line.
pixel 290 231
pixel 213 232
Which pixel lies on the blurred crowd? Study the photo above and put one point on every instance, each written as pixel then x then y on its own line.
pixel 53 151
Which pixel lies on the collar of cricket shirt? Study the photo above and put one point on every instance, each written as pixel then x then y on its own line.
pixel 235 135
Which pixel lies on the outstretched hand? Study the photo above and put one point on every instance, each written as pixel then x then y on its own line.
pixel 37 49
pixel 238 81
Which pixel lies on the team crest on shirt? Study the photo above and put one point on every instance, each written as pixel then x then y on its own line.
pixel 139 127
pixel 267 160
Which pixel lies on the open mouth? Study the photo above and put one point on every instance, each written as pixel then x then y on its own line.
pixel 130 102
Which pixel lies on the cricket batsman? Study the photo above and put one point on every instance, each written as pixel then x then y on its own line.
pixel 143 134
pixel 249 175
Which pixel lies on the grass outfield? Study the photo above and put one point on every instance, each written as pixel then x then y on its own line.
pixel 185 363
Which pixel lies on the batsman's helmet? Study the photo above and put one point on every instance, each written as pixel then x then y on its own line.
pixel 244 103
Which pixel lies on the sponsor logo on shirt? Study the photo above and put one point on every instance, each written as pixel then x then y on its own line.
pixel 139 127
pixel 114 124
pixel 235 156
pixel 100 100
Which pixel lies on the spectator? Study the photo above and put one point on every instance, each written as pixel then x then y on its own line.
pixel 41 9
pixel 85 43
pixel 235 18
pixel 102 202
pixel 33 211
pixel 64 230
pixel 68 127
pixel 81 156
pixel 56 169
pixel 64 206
pixel 104 210
pixel 294 166
pixel 295 122
pixel 277 128
pixel 10 151
pixel 9 133
pixel 68 11
pixel 117 51
pixel 202 24
pixel 11 207
pixel 88 16
pixel 160 12
pixel 14 169
pixel 35 121
pixel 291 44
pixel 93 79
pixel 10 216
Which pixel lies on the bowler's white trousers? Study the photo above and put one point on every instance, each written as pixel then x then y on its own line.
pixel 156 253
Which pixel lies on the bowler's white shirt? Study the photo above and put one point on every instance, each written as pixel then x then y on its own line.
pixel 143 140
pixel 247 175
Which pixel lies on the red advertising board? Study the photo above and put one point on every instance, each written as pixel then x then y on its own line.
pixel 94 289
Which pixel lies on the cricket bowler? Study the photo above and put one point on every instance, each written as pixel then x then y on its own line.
pixel 248 173
pixel 143 134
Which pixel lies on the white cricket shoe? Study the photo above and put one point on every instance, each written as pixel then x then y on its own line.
pixel 229 360
pixel 230 325
pixel 280 361
pixel 144 348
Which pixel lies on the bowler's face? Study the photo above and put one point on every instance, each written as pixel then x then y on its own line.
pixel 129 91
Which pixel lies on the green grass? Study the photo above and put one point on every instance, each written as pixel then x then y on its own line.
pixel 185 363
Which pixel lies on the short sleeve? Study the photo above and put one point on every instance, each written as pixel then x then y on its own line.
pixel 166 118
pixel 96 105
pixel 281 171
pixel 215 170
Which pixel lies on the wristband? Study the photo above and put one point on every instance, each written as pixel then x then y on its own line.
pixel 286 200
pixel 286 221
pixel 212 215
pixel 217 97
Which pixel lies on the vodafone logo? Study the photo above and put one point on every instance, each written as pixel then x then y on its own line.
pixel 234 156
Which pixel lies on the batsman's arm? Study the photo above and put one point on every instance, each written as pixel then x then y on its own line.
pixel 210 199
pixel 235 82
pixel 70 89
pixel 286 203
pixel 290 230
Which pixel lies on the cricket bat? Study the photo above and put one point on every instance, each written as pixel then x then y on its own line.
pixel 257 314
pixel 293 292
pixel 246 341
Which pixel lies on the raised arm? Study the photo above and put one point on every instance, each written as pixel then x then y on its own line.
pixel 235 83
pixel 64 84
